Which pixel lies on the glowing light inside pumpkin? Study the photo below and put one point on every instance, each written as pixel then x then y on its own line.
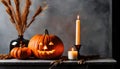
pixel 45 47
pixel 40 43
pixel 51 43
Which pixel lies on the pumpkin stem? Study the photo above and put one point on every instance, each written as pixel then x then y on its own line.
pixel 46 32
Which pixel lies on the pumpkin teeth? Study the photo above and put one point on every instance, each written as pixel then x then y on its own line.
pixel 51 52
pixel 46 52
pixel 42 52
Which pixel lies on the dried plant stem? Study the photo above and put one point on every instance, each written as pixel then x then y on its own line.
pixel 10 14
pixel 18 15
pixel 38 11
pixel 4 2
pixel 9 2
pixel 33 18
pixel 8 10
pixel 25 14
pixel 18 19
pixel 11 18
pixel 17 11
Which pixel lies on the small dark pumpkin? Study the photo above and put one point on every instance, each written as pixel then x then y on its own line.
pixel 46 46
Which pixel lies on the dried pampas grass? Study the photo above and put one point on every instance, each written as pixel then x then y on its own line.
pixel 19 19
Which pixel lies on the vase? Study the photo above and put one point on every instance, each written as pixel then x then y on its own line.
pixel 18 41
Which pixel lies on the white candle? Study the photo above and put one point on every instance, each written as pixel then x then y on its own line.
pixel 77 41
pixel 72 54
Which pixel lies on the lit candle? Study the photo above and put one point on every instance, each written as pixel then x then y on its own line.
pixel 72 54
pixel 77 42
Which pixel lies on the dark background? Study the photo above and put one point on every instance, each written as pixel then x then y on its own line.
pixel 116 33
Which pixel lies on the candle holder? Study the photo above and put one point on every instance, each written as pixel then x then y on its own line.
pixel 78 50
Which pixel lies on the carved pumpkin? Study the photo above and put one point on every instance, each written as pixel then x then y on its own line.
pixel 20 52
pixel 46 46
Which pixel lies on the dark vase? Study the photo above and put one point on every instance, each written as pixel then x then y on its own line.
pixel 18 41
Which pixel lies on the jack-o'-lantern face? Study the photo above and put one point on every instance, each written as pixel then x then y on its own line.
pixel 46 46
pixel 46 49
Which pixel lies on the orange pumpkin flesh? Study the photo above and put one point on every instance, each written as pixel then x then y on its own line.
pixel 46 46
pixel 20 52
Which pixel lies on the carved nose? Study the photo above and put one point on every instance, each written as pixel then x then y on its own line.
pixel 45 47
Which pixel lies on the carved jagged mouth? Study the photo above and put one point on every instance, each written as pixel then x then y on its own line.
pixel 46 52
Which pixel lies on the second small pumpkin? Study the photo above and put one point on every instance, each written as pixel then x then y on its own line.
pixel 20 52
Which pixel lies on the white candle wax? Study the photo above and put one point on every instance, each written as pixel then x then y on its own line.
pixel 77 41
pixel 72 54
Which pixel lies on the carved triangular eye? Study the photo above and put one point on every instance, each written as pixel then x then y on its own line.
pixel 40 43
pixel 51 43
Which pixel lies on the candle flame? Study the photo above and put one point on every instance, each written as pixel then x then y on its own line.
pixel 72 49
pixel 78 17
pixel 45 47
